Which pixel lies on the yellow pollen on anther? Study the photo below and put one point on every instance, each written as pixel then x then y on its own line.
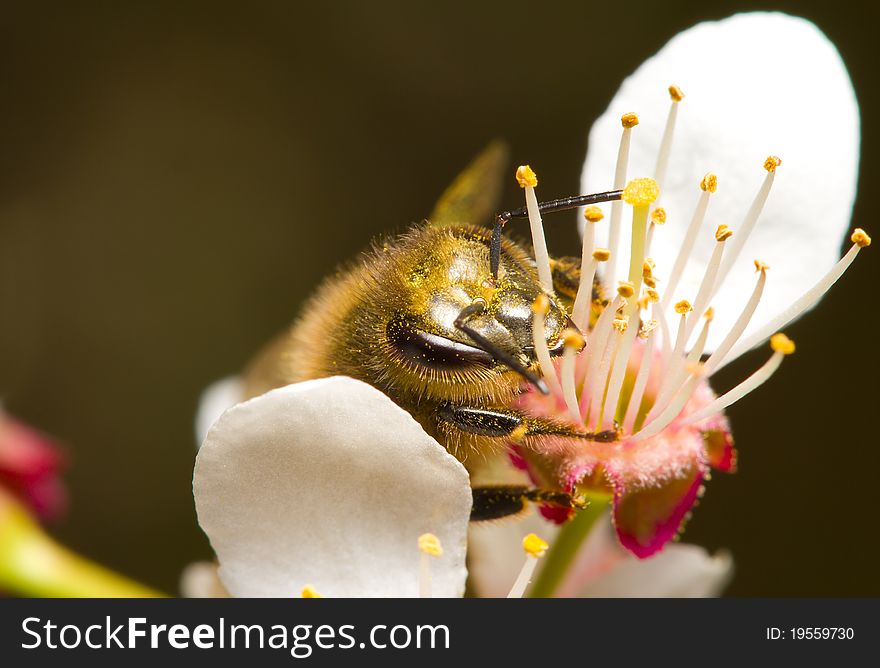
pixel 709 314
pixel 646 328
pixel 593 214
pixel 723 233
pixel 310 592
pixel 430 544
pixel 626 289
pixel 653 295
pixel 771 163
pixel 601 254
pixel 780 343
pixel 761 266
pixel 573 339
pixel 629 120
pixel 675 93
pixel 535 546
pixel 709 183
pixel 860 238
pixel 541 305
pixel 526 177
pixel 641 192
pixel 683 307
pixel 620 325
pixel 658 216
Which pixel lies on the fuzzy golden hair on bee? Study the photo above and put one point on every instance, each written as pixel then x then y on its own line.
pixel 379 318
pixel 441 320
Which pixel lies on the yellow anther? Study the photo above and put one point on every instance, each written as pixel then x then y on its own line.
pixel 780 343
pixel 648 267
pixel 647 328
pixel 573 339
pixel 653 295
pixel 683 307
pixel 771 163
pixel 761 266
pixel 860 238
pixel 525 176
pixel 709 183
pixel 430 544
pixel 535 546
pixel 658 216
pixel 593 214
pixel 675 93
pixel 541 305
pixel 709 314
pixel 626 289
pixel 629 120
pixel 695 368
pixel 519 433
pixel 650 281
pixel 310 592
pixel 723 233
pixel 620 325
pixel 641 192
pixel 601 254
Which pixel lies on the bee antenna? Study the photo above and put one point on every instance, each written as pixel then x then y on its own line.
pixel 477 307
pixel 563 204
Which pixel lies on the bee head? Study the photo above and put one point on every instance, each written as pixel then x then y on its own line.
pixel 462 318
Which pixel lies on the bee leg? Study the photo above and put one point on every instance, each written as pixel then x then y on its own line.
pixel 500 423
pixel 492 503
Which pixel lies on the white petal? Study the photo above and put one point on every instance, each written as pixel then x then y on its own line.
pixel 328 483
pixel 496 553
pixel 603 569
pixel 216 398
pixel 199 580
pixel 755 85
pixel 679 571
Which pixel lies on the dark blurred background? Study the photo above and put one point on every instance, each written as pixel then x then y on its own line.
pixel 176 177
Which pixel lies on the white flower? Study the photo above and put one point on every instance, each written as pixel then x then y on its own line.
pixel 329 484
pixel 756 84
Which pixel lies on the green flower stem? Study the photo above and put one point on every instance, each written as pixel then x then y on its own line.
pixel 32 564
pixel 565 548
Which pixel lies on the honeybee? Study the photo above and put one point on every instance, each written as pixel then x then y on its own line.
pixel 440 320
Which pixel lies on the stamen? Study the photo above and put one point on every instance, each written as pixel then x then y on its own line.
pixel 708 185
pixel 674 408
pixel 748 223
pixel 618 372
pixel 805 302
pixel 310 592
pixel 638 393
pixel 717 357
pixel 429 546
pixel 600 352
pixel 781 346
pixel 722 234
pixel 540 308
pixel 574 343
pixel 528 181
pixel 601 254
pixel 580 312
pixel 676 373
pixel 629 121
pixel 668 132
pixel 535 548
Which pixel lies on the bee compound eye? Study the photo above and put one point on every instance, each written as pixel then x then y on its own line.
pixel 422 348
